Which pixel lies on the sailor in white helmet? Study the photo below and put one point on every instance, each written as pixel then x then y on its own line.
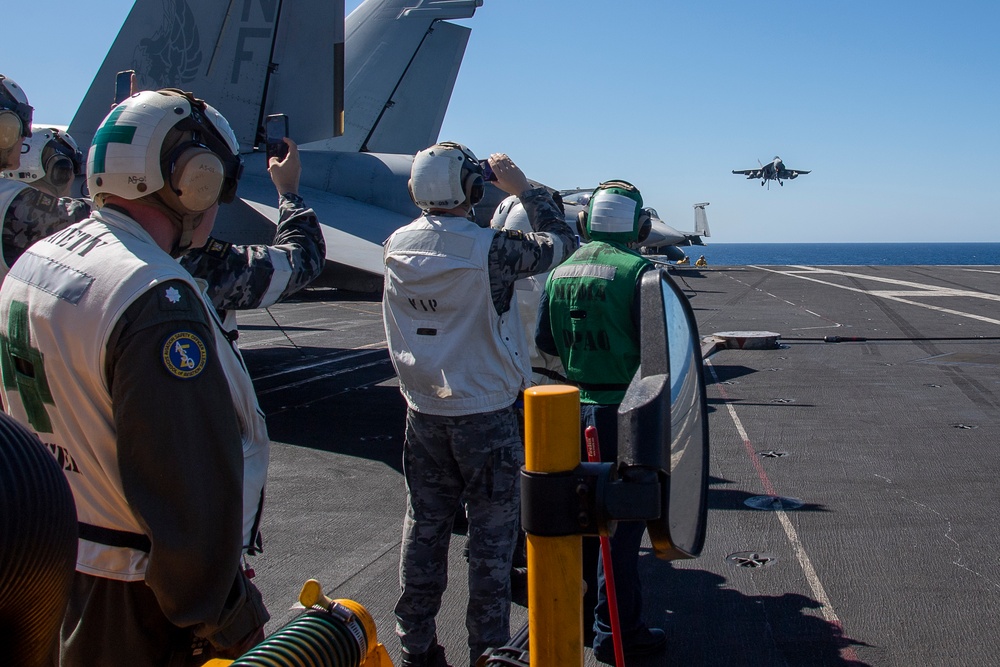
pixel 238 277
pixel 15 129
pixel 50 160
pixel 545 368
pixel 115 359
pixel 15 122
pixel 457 345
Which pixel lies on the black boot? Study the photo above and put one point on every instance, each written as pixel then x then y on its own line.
pixel 432 657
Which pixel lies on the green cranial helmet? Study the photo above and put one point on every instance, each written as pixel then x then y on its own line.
pixel 614 212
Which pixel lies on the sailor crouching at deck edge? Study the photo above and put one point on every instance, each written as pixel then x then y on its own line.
pixel 456 343
pixel 113 357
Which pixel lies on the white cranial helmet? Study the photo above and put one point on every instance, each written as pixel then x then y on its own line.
pixel 510 214
pixel 15 120
pixel 49 153
pixel 165 142
pixel 445 176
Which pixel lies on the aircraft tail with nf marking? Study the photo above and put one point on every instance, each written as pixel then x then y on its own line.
pixel 238 56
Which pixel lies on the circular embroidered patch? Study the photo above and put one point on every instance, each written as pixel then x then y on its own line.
pixel 184 355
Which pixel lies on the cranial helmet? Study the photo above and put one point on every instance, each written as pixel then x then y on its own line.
pixel 15 118
pixel 168 147
pixel 445 176
pixel 48 154
pixel 510 214
pixel 614 213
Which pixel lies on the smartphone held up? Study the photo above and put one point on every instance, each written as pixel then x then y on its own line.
pixel 123 85
pixel 488 174
pixel 275 131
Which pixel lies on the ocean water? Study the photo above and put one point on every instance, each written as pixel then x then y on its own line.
pixel 833 254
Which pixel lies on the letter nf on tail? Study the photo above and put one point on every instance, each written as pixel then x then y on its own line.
pixel 363 93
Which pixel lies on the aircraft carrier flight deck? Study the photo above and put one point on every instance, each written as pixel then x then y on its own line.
pixel 853 496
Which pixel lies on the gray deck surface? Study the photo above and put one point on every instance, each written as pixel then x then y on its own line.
pixel 892 446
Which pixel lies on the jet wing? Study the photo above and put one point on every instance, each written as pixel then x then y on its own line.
pixel 750 173
pixel 354 230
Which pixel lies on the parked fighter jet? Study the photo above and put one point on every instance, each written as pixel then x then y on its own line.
pixel 362 96
pixel 662 240
pixel 774 170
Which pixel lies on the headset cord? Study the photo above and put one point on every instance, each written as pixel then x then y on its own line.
pixel 285 333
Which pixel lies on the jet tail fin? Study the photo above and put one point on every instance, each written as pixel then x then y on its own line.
pixel 701 220
pixel 400 73
pixel 247 59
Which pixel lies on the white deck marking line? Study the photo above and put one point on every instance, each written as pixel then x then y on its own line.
pixel 325 376
pixel 815 585
pixel 979 271
pixel 931 291
pixel 325 361
pixel 918 289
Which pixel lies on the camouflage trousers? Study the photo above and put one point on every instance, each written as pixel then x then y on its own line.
pixel 473 459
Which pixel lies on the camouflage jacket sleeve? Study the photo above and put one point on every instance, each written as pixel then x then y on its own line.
pixel 515 255
pixel 243 277
pixel 33 215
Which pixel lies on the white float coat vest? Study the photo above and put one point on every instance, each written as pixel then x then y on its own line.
pixel 81 282
pixel 510 214
pixel 453 353
pixel 9 189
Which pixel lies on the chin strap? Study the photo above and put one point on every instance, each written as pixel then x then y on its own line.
pixel 472 218
pixel 187 222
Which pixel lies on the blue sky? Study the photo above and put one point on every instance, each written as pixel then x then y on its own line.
pixel 894 106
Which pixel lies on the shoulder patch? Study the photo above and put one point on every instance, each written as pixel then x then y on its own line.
pixel 184 355
pixel 216 248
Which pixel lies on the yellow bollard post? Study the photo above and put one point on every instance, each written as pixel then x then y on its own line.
pixel 555 564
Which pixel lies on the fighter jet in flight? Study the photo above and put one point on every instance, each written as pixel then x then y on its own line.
pixel 774 170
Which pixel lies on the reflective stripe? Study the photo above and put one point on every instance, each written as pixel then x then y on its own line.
pixel 601 271
pixel 279 278
pixel 432 241
pixel 52 277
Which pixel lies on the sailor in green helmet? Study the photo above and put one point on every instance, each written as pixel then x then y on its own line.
pixel 589 315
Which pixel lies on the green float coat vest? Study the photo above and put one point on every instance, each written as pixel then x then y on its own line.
pixel 590 310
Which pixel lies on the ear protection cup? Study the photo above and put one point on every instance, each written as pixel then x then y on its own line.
pixel 409 188
pixel 475 188
pixel 195 180
pixel 581 225
pixel 11 130
pixel 645 226
pixel 59 170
